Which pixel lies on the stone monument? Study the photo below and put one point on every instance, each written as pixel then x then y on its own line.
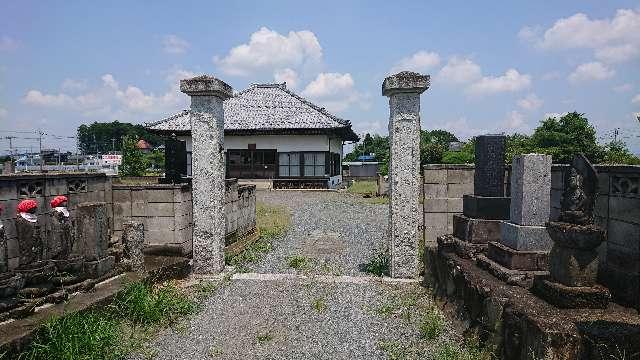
pixel 133 241
pixel 483 211
pixel 524 243
pixel 92 238
pixel 573 260
pixel 208 170
pixel 403 90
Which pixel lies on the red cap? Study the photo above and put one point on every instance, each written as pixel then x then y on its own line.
pixel 58 200
pixel 27 205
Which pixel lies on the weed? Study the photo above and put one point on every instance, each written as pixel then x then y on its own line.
pixel 205 288
pixel 90 335
pixel 394 350
pixel 432 324
pixel 271 220
pixel 144 304
pixel 298 262
pixel 471 350
pixel 215 351
pixel 379 264
pixel 320 305
pixel 264 338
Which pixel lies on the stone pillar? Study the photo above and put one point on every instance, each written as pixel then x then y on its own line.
pixel 91 226
pixel 208 170
pixel 133 241
pixel 405 212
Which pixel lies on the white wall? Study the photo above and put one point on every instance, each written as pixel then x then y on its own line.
pixel 282 143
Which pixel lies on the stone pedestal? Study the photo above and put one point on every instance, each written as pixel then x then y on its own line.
pixel 208 170
pixel 405 220
pixel 486 207
pixel 524 242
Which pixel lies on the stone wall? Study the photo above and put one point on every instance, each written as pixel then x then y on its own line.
pixel 78 187
pixel 166 212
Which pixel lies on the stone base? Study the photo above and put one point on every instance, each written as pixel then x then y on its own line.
pixel 488 208
pixel 37 272
pixel 511 277
pixel 525 238
pixel 517 260
pixel 464 249
pixel 569 297
pixel 95 269
pixel 477 231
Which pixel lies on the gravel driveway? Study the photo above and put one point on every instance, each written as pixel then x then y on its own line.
pixel 337 232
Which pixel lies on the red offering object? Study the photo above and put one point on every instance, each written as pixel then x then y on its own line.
pixel 26 206
pixel 58 200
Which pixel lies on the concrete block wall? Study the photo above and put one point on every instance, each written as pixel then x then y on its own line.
pixel 166 212
pixel 444 187
pixel 78 187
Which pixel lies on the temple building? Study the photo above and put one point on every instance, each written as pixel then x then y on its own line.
pixel 274 134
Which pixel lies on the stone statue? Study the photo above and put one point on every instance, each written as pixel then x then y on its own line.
pixel 580 192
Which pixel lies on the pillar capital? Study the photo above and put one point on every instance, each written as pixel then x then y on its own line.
pixel 405 82
pixel 205 85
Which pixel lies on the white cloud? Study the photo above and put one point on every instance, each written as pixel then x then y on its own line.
pixel 614 39
pixel 110 100
pixel 511 81
pixel 267 50
pixel 7 43
pixel 288 76
pixel 173 44
pixel 461 128
pixel 636 99
pixel 72 84
pixel 530 102
pixel 591 71
pixel 515 122
pixel 459 71
pixel 421 61
pixel 334 91
pixel 623 87
pixel 552 75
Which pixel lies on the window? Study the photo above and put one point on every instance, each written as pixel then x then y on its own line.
pixel 289 164
pixel 189 163
pixel 314 164
pixel 251 164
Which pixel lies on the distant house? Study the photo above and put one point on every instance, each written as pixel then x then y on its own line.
pixel 143 145
pixel 360 169
pixel 272 133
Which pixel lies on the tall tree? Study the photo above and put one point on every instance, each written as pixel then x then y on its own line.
pixel 106 137
pixel 133 160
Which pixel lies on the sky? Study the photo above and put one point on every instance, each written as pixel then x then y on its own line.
pixel 495 67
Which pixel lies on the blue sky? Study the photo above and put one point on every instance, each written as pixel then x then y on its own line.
pixel 497 66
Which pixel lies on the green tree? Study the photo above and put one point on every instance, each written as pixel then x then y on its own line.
pixel 616 152
pixel 133 160
pixel 466 155
pixel 565 137
pixel 106 137
pixel 155 160
pixel 517 144
pixel 434 144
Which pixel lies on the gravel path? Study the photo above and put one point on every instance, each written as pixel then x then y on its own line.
pixel 329 310
pixel 337 232
pixel 302 319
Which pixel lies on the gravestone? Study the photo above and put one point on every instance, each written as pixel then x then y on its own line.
pixel 403 90
pixel 524 242
pixel 175 160
pixel 484 210
pixel 133 241
pixel 208 170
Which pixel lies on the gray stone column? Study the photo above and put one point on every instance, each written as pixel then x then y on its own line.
pixel 208 170
pixel 405 212
pixel 133 241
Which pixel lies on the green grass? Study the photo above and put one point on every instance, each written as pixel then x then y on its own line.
pixel 432 324
pixel 378 265
pixel 145 304
pixel 320 305
pixel 471 350
pixel 363 188
pixel 114 331
pixel 82 336
pixel 298 262
pixel 272 222
pixel 264 338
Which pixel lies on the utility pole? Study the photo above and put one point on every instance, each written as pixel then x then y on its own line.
pixel 10 138
pixel 615 134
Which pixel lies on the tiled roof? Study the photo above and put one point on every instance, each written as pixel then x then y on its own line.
pixel 263 107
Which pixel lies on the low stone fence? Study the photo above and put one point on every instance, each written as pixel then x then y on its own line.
pixel 78 187
pixel 166 213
